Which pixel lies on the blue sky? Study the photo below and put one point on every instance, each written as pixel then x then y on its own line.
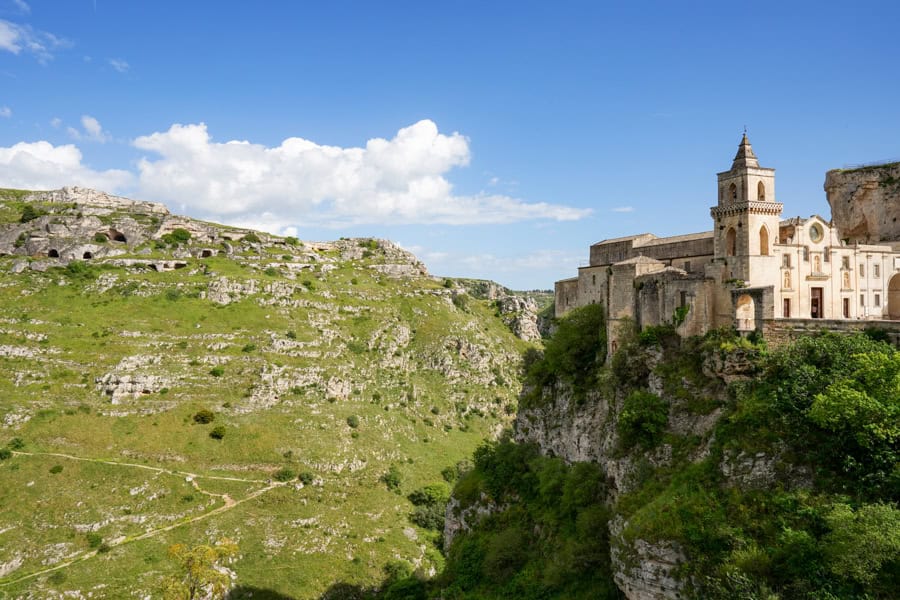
pixel 496 140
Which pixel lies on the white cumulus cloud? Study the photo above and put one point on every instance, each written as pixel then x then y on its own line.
pixel 43 166
pixel 396 181
pixel 18 38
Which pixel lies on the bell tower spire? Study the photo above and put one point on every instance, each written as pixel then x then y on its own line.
pixel 745 157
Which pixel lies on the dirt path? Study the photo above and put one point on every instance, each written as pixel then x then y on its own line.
pixel 228 504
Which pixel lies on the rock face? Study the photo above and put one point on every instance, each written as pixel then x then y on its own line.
pixel 865 203
pixel 521 315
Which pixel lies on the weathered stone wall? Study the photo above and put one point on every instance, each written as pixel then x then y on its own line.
pixel 779 332
pixel 865 203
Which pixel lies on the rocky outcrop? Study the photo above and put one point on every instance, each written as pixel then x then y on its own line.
pixel 97 202
pixel 644 570
pixel 865 203
pixel 520 314
pixel 460 520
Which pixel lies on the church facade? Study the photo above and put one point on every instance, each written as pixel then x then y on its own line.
pixel 753 266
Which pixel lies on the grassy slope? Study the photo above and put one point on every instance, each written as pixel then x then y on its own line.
pixel 295 539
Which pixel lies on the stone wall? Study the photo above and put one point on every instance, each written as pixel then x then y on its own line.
pixel 778 332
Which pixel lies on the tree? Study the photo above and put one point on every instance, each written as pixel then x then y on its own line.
pixel 201 575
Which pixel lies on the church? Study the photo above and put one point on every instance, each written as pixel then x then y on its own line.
pixel 752 268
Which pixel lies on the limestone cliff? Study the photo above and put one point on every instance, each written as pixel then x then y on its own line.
pixel 865 203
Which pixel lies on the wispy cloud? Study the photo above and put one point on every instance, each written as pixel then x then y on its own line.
pixel 119 65
pixel 92 130
pixel 18 38
pixel 22 6
pixel 55 122
pixel 5 112
pixel 622 209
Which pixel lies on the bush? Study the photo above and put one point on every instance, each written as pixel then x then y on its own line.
pixel 643 419
pixel 272 271
pixel 204 416
pixel 30 213
pixel 16 443
pixel 430 495
pixel 573 355
pixel 285 474
pixel 100 238
pixel 306 477
pixel 291 240
pixel 251 238
pixel 429 517
pixel 392 479
pixel 93 539
pixel 56 469
pixel 217 371
pixel 218 432
pixel 353 421
pixel 449 474
pixel 78 270
pixel 248 348
pixel 5 453
pixel 180 235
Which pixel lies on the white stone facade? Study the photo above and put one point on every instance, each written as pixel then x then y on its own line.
pixel 753 266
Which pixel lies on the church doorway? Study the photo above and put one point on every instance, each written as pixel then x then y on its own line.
pixel 816 306
pixel 894 298
pixel 745 313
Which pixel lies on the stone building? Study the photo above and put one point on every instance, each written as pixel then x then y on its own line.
pixel 753 267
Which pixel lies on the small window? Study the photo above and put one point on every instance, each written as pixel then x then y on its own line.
pixel 862 299
pixel 876 270
pixel 733 191
pixel 845 262
pixel 846 307
pixel 877 299
pixel 593 279
pixel 862 270
pixel 682 299
pixel 827 255
pixel 786 261
pixel 805 254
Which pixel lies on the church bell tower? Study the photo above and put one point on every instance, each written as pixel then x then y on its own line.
pixel 746 218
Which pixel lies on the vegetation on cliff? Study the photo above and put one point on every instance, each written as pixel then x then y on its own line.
pixel 792 493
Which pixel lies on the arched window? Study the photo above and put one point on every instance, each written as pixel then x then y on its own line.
pixel 733 191
pixel 760 191
pixel 763 240
pixel 730 242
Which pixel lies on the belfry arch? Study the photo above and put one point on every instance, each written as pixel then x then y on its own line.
pixel 763 240
pixel 761 191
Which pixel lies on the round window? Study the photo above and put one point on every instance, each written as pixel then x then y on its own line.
pixel 815 233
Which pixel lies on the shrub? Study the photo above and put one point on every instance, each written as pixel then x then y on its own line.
pixel 436 493
pixel 30 213
pixel 292 335
pixel 16 443
pixel 217 371
pixel 643 419
pixel 93 539
pixel 306 477
pixel 309 284
pixel 251 238
pixel 429 517
pixel 100 238
pixel 180 235
pixel 291 240
pixel 173 294
pixel 461 301
pixel 204 416
pixel 56 469
pixel 285 474
pixel 248 348
pixel 573 354
pixel 5 453
pixel 272 271
pixel 449 474
pixel 218 432
pixel 78 270
pixel 20 241
pixel 392 479
pixel 353 421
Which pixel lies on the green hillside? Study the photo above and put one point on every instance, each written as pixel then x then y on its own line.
pixel 322 367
